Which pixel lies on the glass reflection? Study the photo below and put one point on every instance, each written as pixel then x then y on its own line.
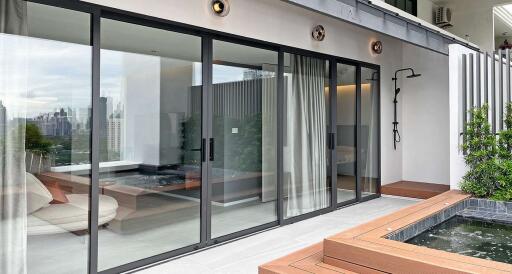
pixel 243 178
pixel 150 141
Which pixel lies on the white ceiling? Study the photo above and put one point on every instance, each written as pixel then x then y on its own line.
pixel 58 24
pixel 500 27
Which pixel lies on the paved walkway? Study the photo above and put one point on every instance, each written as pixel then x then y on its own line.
pixel 245 255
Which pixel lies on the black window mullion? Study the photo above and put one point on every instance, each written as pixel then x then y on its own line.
pixel 332 131
pixel 358 133
pixel 95 143
pixel 280 136
pixel 206 126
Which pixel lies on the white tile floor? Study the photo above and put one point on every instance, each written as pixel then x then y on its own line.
pixel 244 255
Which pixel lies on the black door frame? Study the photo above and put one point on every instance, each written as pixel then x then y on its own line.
pixel 97 12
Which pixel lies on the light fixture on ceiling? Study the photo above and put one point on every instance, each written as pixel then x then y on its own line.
pixel 220 7
pixel 377 47
pixel 318 33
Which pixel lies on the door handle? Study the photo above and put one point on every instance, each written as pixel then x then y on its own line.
pixel 203 150
pixel 332 141
pixel 212 149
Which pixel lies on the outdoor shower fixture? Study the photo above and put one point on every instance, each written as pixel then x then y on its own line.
pixel 396 134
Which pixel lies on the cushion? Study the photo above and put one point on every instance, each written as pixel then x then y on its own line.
pixel 76 210
pixel 59 197
pixel 38 195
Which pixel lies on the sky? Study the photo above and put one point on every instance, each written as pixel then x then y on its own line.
pixel 40 76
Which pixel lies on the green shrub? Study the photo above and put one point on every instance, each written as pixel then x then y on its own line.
pixel 489 158
pixel 481 180
pixel 504 189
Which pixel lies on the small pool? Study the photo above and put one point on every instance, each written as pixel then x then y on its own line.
pixel 143 179
pixel 469 237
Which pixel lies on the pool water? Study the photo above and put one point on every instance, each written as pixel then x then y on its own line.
pixel 143 179
pixel 469 237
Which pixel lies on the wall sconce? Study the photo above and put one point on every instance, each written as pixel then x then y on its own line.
pixel 220 7
pixel 318 33
pixel 377 47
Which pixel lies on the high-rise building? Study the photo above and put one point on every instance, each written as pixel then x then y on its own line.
pixel 114 134
pixel 3 120
pixel 53 124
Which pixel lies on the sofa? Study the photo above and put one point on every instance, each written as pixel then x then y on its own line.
pixel 46 217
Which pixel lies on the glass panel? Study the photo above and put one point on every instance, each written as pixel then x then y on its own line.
pixel 305 140
pixel 370 177
pixel 346 132
pixel 150 137
pixel 243 177
pixel 45 103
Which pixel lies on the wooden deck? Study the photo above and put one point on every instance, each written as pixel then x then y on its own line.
pixel 414 189
pixel 365 249
pixel 304 261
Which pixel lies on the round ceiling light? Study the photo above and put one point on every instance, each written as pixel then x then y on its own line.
pixel 377 47
pixel 318 33
pixel 220 7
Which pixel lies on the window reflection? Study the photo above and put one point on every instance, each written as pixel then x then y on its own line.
pixel 150 141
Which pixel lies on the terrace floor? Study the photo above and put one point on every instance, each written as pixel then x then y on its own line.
pixel 245 255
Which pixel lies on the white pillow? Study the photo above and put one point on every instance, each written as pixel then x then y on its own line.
pixel 38 195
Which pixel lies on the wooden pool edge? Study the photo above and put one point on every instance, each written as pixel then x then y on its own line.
pixel 366 249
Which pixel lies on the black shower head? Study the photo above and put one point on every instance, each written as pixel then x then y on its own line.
pixel 414 75
pixel 411 70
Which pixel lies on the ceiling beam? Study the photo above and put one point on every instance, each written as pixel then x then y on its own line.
pixel 364 13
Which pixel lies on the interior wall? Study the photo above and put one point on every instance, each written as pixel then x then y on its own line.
pixel 141 108
pixel 176 80
pixel 425 110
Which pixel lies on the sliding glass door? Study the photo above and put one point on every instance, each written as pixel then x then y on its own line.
pixel 357 149
pixel 306 178
pixel 150 142
pixel 346 132
pixel 370 131
pixel 242 181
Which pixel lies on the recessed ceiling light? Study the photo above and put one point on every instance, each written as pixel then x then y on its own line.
pixel 220 7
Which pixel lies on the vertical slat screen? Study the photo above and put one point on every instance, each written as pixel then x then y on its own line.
pixel 500 89
pixel 493 92
pixel 507 61
pixel 478 82
pixel 486 79
pixel 464 92
pixel 471 84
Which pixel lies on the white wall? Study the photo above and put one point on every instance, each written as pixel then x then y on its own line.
pixel 457 166
pixel 282 23
pixel 425 112
pixel 426 10
pixel 142 109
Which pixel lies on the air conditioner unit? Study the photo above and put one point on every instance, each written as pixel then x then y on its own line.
pixel 443 17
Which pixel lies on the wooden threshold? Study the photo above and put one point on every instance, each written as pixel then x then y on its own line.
pixel 412 189
pixel 305 261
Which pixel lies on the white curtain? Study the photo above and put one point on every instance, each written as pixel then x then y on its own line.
pixel 268 135
pixel 13 91
pixel 306 137
pixel 370 121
